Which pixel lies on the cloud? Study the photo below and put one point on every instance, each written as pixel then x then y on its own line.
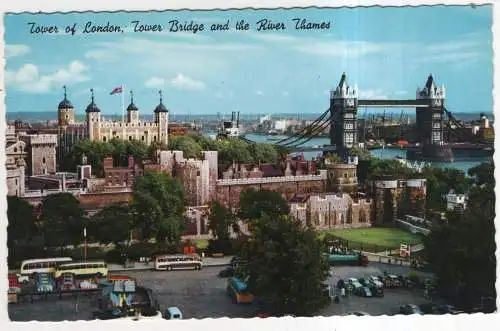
pixel 154 82
pixel 373 94
pixel 12 50
pixel 183 82
pixel 259 92
pixel 285 93
pixel 28 78
pixel 451 57
pixel 99 55
pixel 180 82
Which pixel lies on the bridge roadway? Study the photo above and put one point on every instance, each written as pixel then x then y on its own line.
pixel 330 148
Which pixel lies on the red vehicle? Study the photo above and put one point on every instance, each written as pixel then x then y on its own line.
pixel 14 285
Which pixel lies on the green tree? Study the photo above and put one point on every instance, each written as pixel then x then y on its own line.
pixel 63 220
pixel 440 182
pixel 265 153
pixel 220 220
pixel 481 174
pixel 95 151
pixel 186 144
pixel 286 268
pixel 112 224
pixel 362 153
pixel 462 250
pixel 22 221
pixel 159 207
pixel 154 147
pixel 233 150
pixel 254 204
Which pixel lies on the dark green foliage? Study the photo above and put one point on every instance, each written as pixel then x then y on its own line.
pixel 159 207
pixel 111 225
pixel 462 251
pixel 254 204
pixel 286 268
pixel 62 220
pixel 22 222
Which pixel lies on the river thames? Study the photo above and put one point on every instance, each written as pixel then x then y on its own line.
pixel 388 153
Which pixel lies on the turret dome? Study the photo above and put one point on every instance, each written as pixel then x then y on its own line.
pixel 92 107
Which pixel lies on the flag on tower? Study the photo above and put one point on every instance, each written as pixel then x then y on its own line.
pixel 116 90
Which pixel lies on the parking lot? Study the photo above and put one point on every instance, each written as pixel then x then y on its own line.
pixel 201 294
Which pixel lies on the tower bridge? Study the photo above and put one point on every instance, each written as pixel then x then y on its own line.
pixel 341 118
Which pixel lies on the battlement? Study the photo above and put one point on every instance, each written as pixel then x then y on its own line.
pixel 344 92
pixel 43 139
pixel 264 180
pixel 431 93
pixel 119 124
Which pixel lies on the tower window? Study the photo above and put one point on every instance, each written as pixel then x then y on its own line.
pixel 43 160
pixel 129 137
pixel 142 138
pixel 154 138
pixel 103 138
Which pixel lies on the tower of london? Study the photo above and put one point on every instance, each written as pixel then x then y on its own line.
pixel 96 128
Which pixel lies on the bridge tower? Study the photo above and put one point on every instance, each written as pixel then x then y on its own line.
pixel 343 122
pixel 430 122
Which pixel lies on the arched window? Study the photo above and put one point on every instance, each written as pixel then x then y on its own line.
pixel 43 160
pixel 103 138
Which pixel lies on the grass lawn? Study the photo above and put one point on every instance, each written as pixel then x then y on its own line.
pixel 384 238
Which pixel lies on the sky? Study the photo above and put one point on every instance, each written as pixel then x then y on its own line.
pixel 387 52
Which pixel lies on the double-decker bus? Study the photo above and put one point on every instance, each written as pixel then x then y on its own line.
pixel 83 269
pixel 48 265
pixel 173 262
pixel 238 291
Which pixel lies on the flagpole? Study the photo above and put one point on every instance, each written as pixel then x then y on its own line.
pixel 123 103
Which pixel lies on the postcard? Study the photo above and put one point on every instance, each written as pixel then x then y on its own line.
pixel 250 163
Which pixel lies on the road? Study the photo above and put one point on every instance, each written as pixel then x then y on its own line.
pixel 201 294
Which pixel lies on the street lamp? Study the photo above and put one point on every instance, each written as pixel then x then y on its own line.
pixel 85 243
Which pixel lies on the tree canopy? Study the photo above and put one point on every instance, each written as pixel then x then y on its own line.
pixel 254 204
pixel 462 250
pixel 112 224
pixel 63 220
pixel 220 220
pixel 440 182
pixel 286 268
pixel 159 206
pixel 22 221
pixel 96 151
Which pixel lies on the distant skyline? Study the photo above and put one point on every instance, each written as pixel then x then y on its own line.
pixel 387 52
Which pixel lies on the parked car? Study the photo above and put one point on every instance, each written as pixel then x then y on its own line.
pixel 364 291
pixel 410 309
pixel 428 308
pixel 363 281
pixel 392 281
pixel 375 280
pixel 173 313
pixel 406 282
pixel 354 283
pixel 376 290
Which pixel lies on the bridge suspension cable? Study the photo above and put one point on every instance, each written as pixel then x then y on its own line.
pixel 304 131
pixel 459 125
pixel 319 129
pixel 312 134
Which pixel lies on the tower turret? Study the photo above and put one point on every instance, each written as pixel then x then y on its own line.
pixel 65 111
pixel 93 118
pixel 132 110
pixel 161 120
pixel 343 112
